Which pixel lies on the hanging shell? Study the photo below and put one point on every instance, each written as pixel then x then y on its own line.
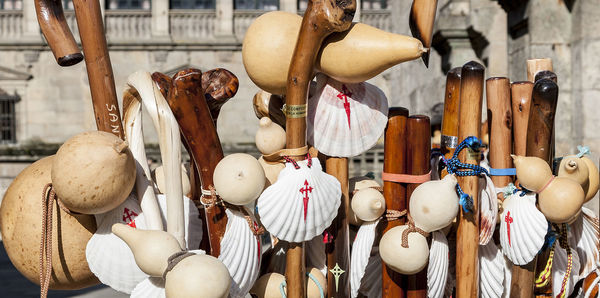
pixel 559 268
pixel 405 260
pixel 345 119
pixel 150 287
pixel 522 229
pixel 583 237
pixel 437 271
pixel 301 204
pixel 433 205
pixel 361 253
pixel 491 271
pixel 314 253
pixel 488 213
pixel 240 252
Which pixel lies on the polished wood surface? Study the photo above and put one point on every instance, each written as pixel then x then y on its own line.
pixel 219 86
pixel 54 26
pixel 421 23
pixel 521 104
pixel 500 128
pixel 395 162
pixel 450 117
pixel 269 105
pixel 418 153
pixel 467 235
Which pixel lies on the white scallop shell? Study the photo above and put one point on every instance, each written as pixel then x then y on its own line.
pixel 109 258
pixel 332 130
pixel 488 214
pixel 361 252
pixel 491 271
pixel 584 238
pixel 240 252
pixel 507 277
pixel 314 254
pixel 193 223
pixel 437 271
pixel 150 287
pixel 281 206
pixel 559 268
pixel 527 230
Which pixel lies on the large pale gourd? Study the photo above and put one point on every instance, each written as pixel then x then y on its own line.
pixel 559 199
pixel 403 260
pixel 594 178
pixel 434 204
pixel 583 171
pixel 239 179
pixel 350 57
pixel 93 172
pixel 198 276
pixel 21 223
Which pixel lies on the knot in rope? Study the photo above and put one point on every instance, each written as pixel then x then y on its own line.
pixel 174 259
pixel 411 229
pixel 391 214
pixel 295 163
pixel 209 196
pixel 583 150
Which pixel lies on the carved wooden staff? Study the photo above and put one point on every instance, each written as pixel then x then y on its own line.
pixel 269 105
pixel 467 235
pixel 422 19
pixel 219 86
pixel 418 152
pixel 450 117
pixel 394 162
pixel 521 104
pixel 320 19
pixel 338 249
pixel 54 26
pixel 500 128
pixel 186 99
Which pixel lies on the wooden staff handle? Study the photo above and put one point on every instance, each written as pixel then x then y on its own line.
pixel 51 17
pixel 450 117
pixel 338 250
pixel 219 86
pixel 467 235
pixel 269 105
pixel 192 114
pixel 320 19
pixel 521 104
pixel 500 128
pixel 99 69
pixel 421 21
pixel 536 65
pixel 418 152
pixel 394 161
pixel 546 74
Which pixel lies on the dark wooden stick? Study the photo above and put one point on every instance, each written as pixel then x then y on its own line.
pixel 338 249
pixel 421 21
pixel 219 86
pixel 418 152
pixel 269 105
pixel 467 235
pixel 394 161
pixel 500 128
pixel 521 104
pixel 54 26
pixel 320 19
pixel 546 74
pixel 450 117
pixel 186 99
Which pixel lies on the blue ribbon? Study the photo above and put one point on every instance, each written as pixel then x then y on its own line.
pixel 503 172
pixel 283 285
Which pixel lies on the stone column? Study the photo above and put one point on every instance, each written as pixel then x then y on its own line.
pixel 31 28
pixel 224 22
pixel 288 5
pixel 160 19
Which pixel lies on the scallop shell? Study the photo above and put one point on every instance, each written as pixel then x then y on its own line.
pixel 109 258
pixel 314 253
pixel 507 277
pixel 240 252
pixel 559 268
pixel 193 223
pixel 286 214
pixel 488 213
pixel 437 271
pixel 345 119
pixel 527 229
pixel 361 253
pixel 584 238
pixel 150 287
pixel 491 271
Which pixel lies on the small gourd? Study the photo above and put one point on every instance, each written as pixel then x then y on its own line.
pixel 559 198
pixel 404 260
pixel 356 184
pixel 583 171
pixel 593 179
pixel 198 274
pixel 269 285
pixel 312 289
pixel 270 137
pixel 151 248
pixel 239 179
pixel 433 205
pixel 368 204
pixel 159 177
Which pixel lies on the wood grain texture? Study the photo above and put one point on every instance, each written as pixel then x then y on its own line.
pixel 338 250
pixel 418 152
pixel 99 69
pixel 450 117
pixel 186 99
pixel 467 235
pixel 521 105
pixel 500 128
pixel 51 17
pixel 219 86
pixel 536 65
pixel 421 21
pixel 395 162
pixel 320 19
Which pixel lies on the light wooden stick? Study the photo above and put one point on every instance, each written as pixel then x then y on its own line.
pixel 521 104
pixel 536 65
pixel 500 128
pixel 422 19
pixel 54 26
pixel 467 235
pixel 450 117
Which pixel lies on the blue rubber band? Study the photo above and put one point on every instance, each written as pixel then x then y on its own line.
pixel 503 172
pixel 283 285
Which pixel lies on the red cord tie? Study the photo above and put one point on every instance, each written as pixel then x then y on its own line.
pixel 406 178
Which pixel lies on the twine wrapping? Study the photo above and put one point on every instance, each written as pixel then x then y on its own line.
pixel 277 156
pixel 174 259
pixel 209 198
pixel 544 277
pixel 411 229
pixel 391 215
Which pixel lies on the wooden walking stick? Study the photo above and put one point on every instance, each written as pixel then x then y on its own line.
pixel 186 99
pixel 418 152
pixel 394 162
pixel 521 104
pixel 467 235
pixel 219 86
pixel 54 26
pixel 320 19
pixel 500 128
pixel 450 117
pixel 536 65
pixel 337 247
pixel 422 19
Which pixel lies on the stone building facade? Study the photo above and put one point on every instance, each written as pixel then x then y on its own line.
pixel 50 103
